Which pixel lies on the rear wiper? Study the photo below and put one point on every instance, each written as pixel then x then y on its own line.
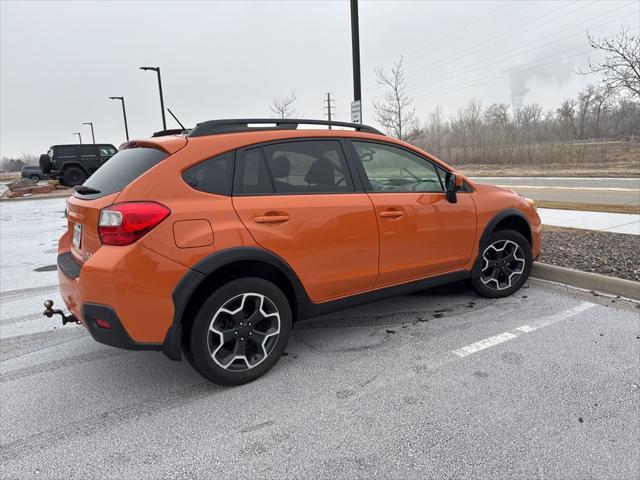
pixel 84 190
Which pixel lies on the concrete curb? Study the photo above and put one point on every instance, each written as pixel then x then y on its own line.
pixel 587 280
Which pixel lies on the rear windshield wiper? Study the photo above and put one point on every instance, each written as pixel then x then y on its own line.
pixel 84 190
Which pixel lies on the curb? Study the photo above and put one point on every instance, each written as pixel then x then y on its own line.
pixel 587 280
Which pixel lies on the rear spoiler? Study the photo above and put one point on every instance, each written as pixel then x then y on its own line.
pixel 172 131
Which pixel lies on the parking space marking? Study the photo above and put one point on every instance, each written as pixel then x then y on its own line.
pixel 516 332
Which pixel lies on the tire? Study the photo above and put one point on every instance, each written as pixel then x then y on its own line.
pixel 35 178
pixel 228 353
pixel 45 164
pixel 506 265
pixel 73 176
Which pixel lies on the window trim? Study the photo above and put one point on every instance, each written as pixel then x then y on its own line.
pixel 239 170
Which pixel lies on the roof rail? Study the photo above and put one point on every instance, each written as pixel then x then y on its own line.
pixel 214 127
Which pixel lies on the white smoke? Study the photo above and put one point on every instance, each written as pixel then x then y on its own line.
pixel 558 73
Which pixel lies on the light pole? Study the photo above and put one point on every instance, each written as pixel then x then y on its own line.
pixel 79 136
pixel 93 137
pixel 157 70
pixel 355 53
pixel 124 114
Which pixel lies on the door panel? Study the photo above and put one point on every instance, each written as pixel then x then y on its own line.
pixel 330 241
pixel 422 234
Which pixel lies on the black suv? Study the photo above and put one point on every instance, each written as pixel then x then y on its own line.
pixel 73 164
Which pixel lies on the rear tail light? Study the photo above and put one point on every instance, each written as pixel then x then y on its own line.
pixel 124 223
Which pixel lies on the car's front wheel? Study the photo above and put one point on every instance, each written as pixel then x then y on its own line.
pixel 506 263
pixel 240 331
pixel 35 178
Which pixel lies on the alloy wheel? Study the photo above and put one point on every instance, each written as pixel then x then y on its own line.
pixel 243 332
pixel 503 262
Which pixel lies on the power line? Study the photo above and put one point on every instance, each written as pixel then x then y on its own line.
pixel 412 72
pixel 481 45
pixel 455 88
pixel 482 64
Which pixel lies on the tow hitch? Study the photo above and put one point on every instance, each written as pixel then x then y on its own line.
pixel 50 312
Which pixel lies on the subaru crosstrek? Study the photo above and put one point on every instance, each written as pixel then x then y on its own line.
pixel 212 243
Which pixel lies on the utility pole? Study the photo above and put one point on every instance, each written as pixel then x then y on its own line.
pixel 355 54
pixel 329 108
pixel 157 70
pixel 79 136
pixel 124 114
pixel 93 137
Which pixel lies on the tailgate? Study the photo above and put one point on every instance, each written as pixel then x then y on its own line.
pixel 82 223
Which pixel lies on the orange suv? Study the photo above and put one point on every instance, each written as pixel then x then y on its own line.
pixel 213 242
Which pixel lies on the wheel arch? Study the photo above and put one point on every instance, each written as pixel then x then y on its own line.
pixel 509 219
pixel 215 270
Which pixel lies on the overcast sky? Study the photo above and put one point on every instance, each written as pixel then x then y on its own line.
pixel 60 61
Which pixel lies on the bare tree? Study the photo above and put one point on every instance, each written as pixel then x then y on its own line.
pixel 29 158
pixel 620 69
pixel 282 107
pixel 395 112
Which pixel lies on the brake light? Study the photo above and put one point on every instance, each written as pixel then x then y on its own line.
pixel 124 223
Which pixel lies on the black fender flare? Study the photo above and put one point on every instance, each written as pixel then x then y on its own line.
pixel 199 273
pixel 488 230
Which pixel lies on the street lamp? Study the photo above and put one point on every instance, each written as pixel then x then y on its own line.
pixel 93 137
pixel 157 70
pixel 79 136
pixel 124 114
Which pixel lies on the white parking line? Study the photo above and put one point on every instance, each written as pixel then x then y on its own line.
pixel 516 332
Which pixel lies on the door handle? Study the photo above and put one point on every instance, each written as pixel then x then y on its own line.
pixel 271 219
pixel 391 214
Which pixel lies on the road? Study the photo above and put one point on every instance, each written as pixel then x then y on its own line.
pixel 439 384
pixel 606 191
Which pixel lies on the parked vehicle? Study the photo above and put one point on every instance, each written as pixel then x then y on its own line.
pixel 212 244
pixel 73 164
pixel 34 173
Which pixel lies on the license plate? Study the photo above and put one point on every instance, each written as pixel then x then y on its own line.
pixel 77 235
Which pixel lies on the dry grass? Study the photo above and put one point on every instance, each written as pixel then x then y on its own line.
pixel 592 159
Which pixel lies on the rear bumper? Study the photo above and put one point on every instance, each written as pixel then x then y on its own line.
pixel 128 287
pixel 116 335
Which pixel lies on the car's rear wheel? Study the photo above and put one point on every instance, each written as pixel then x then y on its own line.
pixel 240 331
pixel 35 178
pixel 506 263
pixel 73 176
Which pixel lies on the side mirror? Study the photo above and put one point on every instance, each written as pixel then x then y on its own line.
pixel 451 185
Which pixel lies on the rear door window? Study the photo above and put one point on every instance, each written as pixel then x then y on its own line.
pixel 62 152
pixel 122 169
pixel 293 168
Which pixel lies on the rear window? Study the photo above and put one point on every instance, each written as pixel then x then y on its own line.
pixel 122 169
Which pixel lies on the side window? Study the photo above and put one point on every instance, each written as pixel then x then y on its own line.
pixel 211 176
pixel 312 166
pixel 65 152
pixel 87 150
pixel 393 169
pixel 107 152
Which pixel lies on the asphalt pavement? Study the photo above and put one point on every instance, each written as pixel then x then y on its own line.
pixel 606 191
pixel 438 384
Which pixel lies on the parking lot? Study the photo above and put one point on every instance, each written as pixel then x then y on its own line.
pixel 438 384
